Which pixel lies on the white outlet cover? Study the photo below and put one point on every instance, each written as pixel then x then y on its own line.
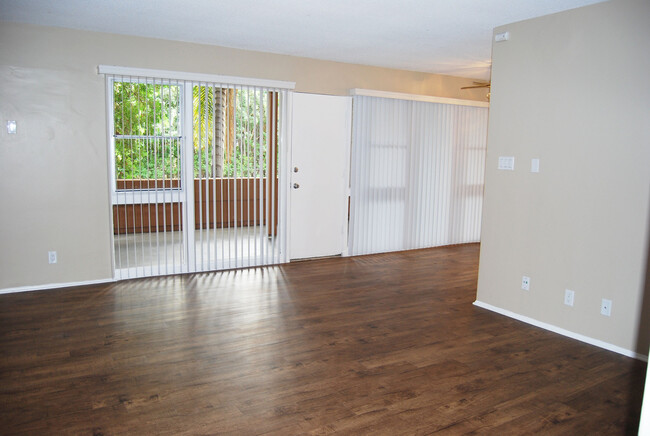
pixel 569 297
pixel 606 307
pixel 525 283
pixel 51 255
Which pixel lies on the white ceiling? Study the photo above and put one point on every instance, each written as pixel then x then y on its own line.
pixel 435 36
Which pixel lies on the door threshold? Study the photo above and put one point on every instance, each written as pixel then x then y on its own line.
pixel 304 259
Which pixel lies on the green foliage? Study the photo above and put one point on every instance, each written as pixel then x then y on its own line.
pixel 143 159
pixel 203 116
pixel 246 157
pixel 147 127
pixel 249 158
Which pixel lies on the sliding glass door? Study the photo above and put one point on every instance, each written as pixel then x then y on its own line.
pixel 235 176
pixel 195 180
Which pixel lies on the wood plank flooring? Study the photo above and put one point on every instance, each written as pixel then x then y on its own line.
pixel 384 344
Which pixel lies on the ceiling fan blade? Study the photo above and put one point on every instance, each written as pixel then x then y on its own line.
pixel 487 85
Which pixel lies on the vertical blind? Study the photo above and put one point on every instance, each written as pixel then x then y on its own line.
pixel 196 180
pixel 146 137
pixel 417 174
pixel 236 173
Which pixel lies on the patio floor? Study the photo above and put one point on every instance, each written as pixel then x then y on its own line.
pixel 213 249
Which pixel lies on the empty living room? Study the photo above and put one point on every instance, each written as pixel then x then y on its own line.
pixel 474 260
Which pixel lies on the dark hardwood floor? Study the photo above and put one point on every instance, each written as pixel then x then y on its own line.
pixel 385 344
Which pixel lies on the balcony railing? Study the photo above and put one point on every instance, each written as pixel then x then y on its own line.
pixel 218 203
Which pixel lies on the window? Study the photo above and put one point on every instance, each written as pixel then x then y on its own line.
pixel 147 133
pixel 230 133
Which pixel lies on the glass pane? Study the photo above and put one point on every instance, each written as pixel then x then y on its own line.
pixel 208 105
pixel 147 133
pixel 147 158
pixel 230 132
pixel 249 159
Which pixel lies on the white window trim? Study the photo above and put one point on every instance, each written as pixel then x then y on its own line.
pixel 195 77
pixel 414 97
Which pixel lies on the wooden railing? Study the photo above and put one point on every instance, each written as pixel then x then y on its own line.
pixel 217 203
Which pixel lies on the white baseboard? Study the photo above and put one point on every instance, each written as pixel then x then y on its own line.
pixel 54 286
pixel 563 332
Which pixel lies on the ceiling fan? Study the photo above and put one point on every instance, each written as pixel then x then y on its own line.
pixel 480 85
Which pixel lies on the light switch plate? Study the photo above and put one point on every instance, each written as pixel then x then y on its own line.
pixel 507 163
pixel 534 165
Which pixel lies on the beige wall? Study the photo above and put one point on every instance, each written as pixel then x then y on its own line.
pixel 53 173
pixel 572 90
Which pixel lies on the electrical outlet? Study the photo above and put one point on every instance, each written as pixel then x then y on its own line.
pixel 606 307
pixel 568 297
pixel 51 256
pixel 525 283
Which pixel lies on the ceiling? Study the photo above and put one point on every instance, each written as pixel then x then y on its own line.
pixel 435 36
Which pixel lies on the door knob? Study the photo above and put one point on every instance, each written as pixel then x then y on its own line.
pixel 295 169
pixel 296 186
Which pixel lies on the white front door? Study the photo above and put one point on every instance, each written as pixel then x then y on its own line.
pixel 320 129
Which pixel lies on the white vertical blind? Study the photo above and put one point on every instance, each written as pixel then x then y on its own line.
pixel 146 138
pixel 238 138
pixel 194 173
pixel 417 174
